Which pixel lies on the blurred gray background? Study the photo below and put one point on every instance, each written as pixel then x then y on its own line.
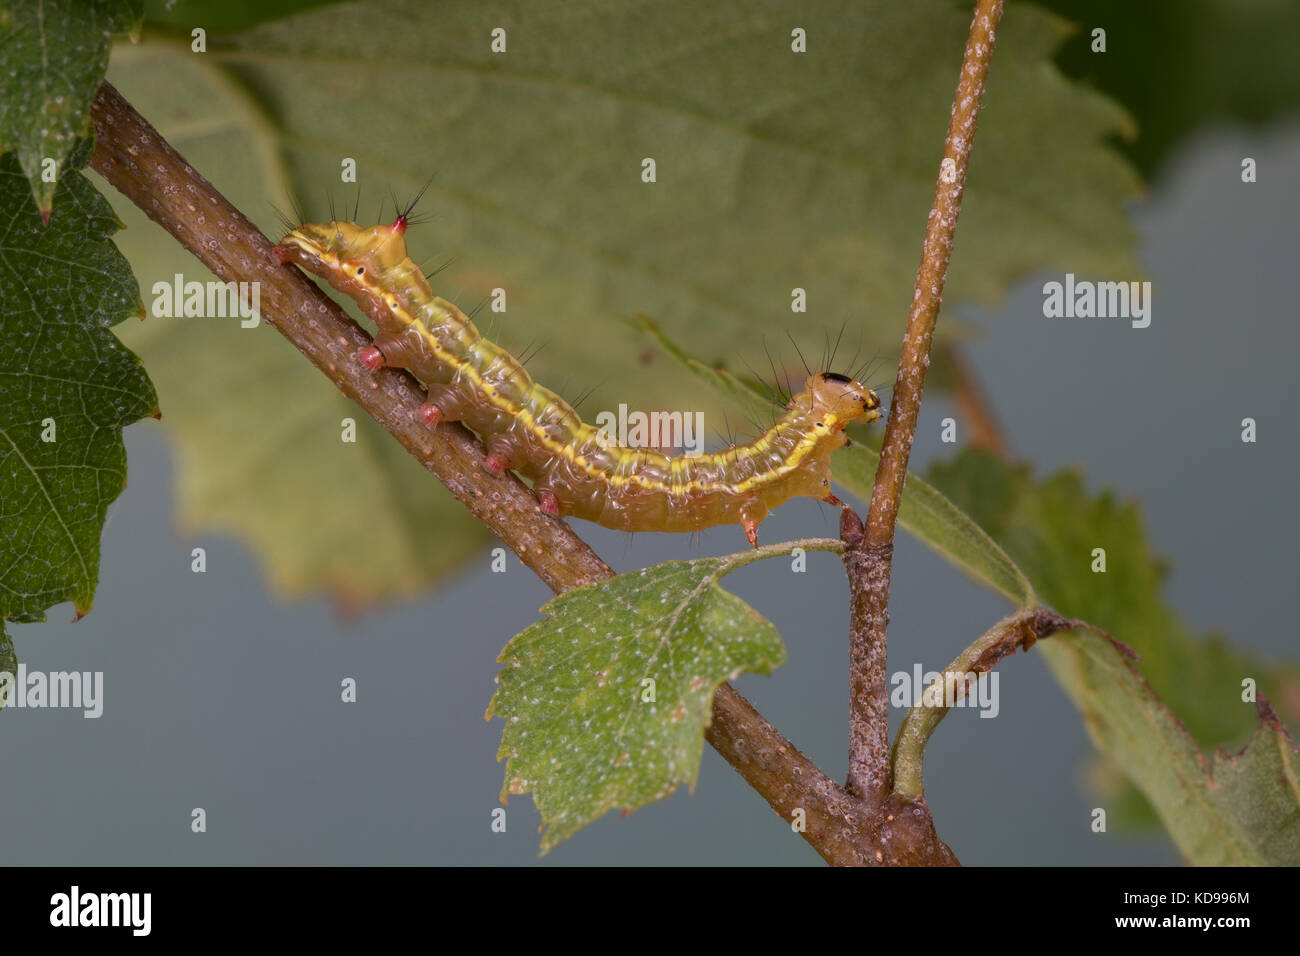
pixel 219 696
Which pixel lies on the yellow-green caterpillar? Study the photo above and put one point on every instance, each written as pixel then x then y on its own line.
pixel 574 467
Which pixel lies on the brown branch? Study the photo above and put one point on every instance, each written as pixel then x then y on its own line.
pixel 869 557
pixel 1018 631
pixel 845 830
pixel 134 158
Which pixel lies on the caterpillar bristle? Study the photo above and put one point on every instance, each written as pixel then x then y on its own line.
pixel 806 369
pixel 415 200
pixel 726 435
pixel 289 224
pixel 531 352
pixel 408 219
pixel 768 390
pixel 405 214
pixel 588 392
pixel 865 367
pixel 446 265
pixel 832 350
pixel 856 352
pixel 782 388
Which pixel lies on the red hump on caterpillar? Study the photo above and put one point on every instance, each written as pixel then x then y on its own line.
pixel 576 469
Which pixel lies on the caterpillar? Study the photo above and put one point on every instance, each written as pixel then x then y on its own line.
pixel 575 468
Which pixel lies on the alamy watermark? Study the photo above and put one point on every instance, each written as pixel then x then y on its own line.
pixel 1084 299
pixel 661 430
pixel 129 910
pixel 213 300
pixel 75 690
pixel 949 689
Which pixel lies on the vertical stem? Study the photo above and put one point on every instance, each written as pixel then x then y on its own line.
pixel 927 295
pixel 869 764
pixel 869 557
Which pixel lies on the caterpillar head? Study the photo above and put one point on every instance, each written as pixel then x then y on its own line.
pixel 345 246
pixel 838 400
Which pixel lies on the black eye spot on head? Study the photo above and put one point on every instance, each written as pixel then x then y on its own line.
pixel 361 270
pixel 835 377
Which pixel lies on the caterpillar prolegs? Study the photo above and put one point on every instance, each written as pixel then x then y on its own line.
pixel 575 468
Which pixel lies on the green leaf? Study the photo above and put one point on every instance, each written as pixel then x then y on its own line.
pixel 185 15
pixel 1238 810
pixel 8 659
pixel 67 388
pixel 53 54
pixel 1259 788
pixel 580 733
pixel 924 511
pixel 1050 527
